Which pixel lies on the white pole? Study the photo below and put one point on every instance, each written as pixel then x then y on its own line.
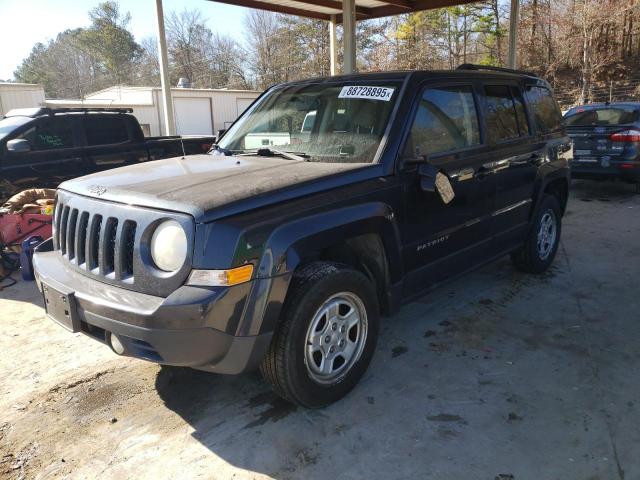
pixel 513 33
pixel 333 45
pixel 169 124
pixel 349 36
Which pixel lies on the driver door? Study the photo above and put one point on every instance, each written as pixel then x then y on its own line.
pixel 441 240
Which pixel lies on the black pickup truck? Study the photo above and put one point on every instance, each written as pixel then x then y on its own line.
pixel 284 257
pixel 41 147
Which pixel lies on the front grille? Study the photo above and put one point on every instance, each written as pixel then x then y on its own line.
pixel 91 242
pixel 102 239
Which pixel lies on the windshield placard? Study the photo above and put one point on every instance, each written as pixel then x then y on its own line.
pixel 367 92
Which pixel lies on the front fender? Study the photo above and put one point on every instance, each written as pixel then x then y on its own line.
pixel 292 243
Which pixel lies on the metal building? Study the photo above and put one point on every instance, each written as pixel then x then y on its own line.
pixel 20 95
pixel 196 111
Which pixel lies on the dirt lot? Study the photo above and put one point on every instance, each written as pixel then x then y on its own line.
pixel 496 376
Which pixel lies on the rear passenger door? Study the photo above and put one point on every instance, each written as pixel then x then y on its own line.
pixel 112 141
pixel 514 160
pixel 441 240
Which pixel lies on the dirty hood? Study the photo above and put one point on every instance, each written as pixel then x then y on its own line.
pixel 199 184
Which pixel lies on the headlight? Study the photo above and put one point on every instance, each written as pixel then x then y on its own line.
pixel 169 246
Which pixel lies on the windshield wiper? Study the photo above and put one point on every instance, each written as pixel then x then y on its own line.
pixel 270 152
pixel 222 150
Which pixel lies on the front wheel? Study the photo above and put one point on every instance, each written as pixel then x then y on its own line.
pixel 541 245
pixel 326 337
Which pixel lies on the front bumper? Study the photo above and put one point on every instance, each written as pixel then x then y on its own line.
pixel 177 330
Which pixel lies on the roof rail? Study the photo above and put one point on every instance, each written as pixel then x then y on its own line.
pixel 52 111
pixel 42 111
pixel 472 66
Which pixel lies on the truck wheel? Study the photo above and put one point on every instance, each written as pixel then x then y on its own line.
pixel 326 336
pixel 540 248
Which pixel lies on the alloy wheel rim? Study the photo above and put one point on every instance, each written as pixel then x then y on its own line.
pixel 547 234
pixel 336 337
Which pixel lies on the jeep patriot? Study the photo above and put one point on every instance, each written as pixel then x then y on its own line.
pixel 281 249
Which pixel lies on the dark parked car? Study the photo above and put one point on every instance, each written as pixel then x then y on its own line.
pixel 606 141
pixel 284 257
pixel 41 147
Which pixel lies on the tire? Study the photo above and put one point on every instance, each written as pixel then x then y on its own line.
pixel 535 258
pixel 298 368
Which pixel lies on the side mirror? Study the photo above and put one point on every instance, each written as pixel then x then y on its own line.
pixel 18 145
pixel 434 180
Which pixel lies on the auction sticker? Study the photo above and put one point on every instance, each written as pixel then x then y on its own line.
pixel 371 93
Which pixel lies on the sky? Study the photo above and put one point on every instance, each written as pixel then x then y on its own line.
pixel 27 22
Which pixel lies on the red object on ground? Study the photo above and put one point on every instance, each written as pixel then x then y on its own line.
pixel 16 227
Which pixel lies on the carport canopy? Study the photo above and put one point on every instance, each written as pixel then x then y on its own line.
pixel 345 12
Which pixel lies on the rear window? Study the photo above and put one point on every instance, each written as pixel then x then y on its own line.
pixel 601 116
pixel 105 129
pixel 545 110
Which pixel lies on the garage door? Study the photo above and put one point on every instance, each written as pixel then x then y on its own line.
pixel 243 103
pixel 193 116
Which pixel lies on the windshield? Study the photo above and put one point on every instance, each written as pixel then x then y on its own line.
pixel 601 116
pixel 341 123
pixel 8 125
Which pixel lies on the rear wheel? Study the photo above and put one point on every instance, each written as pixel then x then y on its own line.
pixel 541 246
pixel 326 337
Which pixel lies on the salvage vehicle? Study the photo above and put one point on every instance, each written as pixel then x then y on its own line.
pixel 606 141
pixel 284 259
pixel 42 147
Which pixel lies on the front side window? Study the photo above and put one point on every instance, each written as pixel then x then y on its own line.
pixel 545 110
pixel 446 120
pixel 105 129
pixel 336 122
pixel 9 124
pixel 49 134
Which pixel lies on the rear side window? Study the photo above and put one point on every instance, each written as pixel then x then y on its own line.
pixel 49 134
pixel 601 116
pixel 446 120
pixel 502 115
pixel 105 129
pixel 545 110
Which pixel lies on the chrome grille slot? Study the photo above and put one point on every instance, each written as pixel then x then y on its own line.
pixel 71 234
pixel 63 230
pixel 81 238
pixel 93 242
pixel 109 242
pixel 127 247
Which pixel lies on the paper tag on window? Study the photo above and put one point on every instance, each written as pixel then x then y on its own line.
pixel 370 93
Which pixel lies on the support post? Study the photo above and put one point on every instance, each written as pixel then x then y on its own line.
pixel 333 46
pixel 169 124
pixel 513 33
pixel 349 36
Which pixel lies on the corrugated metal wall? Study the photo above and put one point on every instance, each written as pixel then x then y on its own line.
pixel 20 95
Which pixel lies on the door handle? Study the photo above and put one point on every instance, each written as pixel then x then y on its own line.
pixel 496 166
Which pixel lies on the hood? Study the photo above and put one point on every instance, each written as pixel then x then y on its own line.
pixel 199 184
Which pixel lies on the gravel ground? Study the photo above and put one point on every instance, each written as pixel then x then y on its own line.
pixel 498 375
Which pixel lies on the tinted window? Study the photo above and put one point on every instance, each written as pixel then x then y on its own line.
pixel 545 110
pixel 523 124
pixel 502 120
pixel 49 134
pixel 602 116
pixel 446 120
pixel 105 129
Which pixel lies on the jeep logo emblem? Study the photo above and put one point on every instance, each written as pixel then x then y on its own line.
pixel 97 190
